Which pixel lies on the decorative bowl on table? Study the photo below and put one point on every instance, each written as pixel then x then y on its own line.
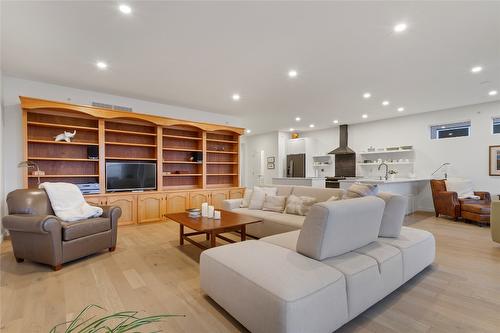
pixel 194 212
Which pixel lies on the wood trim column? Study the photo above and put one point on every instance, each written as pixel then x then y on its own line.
pixel 159 158
pixel 102 155
pixel 204 164
pixel 25 147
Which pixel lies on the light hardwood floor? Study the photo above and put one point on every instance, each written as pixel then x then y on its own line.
pixel 149 272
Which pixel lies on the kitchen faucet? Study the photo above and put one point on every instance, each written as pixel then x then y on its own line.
pixel 386 170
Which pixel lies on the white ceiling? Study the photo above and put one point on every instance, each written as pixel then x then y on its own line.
pixel 197 54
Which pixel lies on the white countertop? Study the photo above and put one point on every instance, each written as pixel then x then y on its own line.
pixel 383 181
pixel 299 177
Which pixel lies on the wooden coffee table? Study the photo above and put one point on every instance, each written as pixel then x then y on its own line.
pixel 210 227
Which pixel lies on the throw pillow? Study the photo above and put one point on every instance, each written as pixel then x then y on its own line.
pixel 333 198
pixel 299 205
pixel 246 198
pixel 257 200
pixel 274 203
pixel 357 190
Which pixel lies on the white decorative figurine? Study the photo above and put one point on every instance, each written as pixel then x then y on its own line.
pixel 66 136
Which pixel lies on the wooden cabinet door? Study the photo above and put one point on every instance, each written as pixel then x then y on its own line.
pixel 218 197
pixel 150 207
pixel 177 202
pixel 198 197
pixel 128 204
pixel 236 193
pixel 96 201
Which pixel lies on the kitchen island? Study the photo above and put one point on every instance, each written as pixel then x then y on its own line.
pixel 416 190
pixel 300 181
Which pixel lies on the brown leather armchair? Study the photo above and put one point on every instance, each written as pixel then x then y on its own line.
pixel 447 203
pixel 38 235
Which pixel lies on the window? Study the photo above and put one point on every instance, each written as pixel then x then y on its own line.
pixel 496 125
pixel 453 130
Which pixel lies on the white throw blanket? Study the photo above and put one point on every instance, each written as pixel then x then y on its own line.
pixel 68 203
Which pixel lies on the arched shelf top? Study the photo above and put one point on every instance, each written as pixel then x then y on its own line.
pixel 29 103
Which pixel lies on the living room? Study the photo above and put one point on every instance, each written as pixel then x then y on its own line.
pixel 349 150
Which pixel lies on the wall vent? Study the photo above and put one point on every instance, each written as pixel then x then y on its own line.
pixel 112 107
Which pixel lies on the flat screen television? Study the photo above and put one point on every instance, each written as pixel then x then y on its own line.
pixel 130 176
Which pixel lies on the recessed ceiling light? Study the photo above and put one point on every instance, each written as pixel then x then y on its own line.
pixel 364 116
pixel 367 95
pixel 292 73
pixel 297 118
pixel 311 126
pixel 493 93
pixel 101 65
pixel 236 97
pixel 401 109
pixel 443 126
pixel 291 129
pixel 335 121
pixel 248 131
pixel 385 103
pixel 400 27
pixel 476 69
pixel 125 9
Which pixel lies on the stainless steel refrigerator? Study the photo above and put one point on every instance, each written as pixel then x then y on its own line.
pixel 296 165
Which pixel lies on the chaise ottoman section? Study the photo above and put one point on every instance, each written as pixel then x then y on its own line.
pixel 269 288
pixel 418 248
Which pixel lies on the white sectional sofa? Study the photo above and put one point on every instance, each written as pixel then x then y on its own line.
pixel 276 223
pixel 318 278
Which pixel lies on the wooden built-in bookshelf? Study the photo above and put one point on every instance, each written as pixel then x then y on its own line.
pixel 188 155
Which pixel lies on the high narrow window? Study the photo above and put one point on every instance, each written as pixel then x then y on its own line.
pixel 452 130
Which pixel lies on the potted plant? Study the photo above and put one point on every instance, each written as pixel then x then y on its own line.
pixel 119 322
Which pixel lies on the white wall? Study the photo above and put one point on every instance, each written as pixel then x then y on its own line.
pixel 265 145
pixel 12 88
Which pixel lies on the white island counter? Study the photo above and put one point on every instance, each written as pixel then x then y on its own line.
pixel 300 181
pixel 415 190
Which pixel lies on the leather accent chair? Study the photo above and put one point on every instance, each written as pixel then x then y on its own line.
pixel 38 235
pixel 447 203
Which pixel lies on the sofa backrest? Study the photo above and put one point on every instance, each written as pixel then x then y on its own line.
pixel 29 201
pixel 337 227
pixel 321 194
pixel 283 190
pixel 394 214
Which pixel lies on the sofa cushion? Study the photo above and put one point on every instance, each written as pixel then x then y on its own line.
pixel 360 190
pixel 287 239
pixel 336 227
pixel 272 289
pixel 321 194
pixel 394 214
pixel 274 203
pixel 82 228
pixel 417 247
pixel 299 205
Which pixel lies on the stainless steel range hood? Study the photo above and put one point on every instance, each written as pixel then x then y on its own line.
pixel 343 149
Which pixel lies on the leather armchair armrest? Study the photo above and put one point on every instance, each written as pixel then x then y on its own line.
pixel 111 211
pixel 451 197
pixel 231 204
pixel 40 224
pixel 484 196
